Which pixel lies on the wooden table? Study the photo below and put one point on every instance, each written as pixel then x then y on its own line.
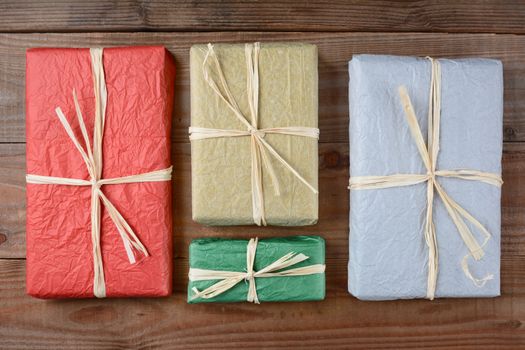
pixel 340 28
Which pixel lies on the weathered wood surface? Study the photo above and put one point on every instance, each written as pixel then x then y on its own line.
pixel 335 49
pixel 453 29
pixel 339 322
pixel 488 16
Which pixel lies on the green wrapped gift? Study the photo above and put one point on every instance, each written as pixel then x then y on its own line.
pixel 254 134
pixel 274 269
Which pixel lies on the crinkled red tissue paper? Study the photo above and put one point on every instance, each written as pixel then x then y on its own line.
pixel 140 83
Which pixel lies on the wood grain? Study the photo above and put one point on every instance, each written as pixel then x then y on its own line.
pixel 12 202
pixel 335 49
pixel 339 322
pixel 489 16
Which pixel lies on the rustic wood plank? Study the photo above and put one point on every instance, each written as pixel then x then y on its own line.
pixel 12 202
pixel 333 216
pixel 272 15
pixel 339 322
pixel 335 49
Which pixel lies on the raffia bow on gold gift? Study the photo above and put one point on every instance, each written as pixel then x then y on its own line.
pixel 259 146
pixel 229 279
pixel 429 156
pixel 93 161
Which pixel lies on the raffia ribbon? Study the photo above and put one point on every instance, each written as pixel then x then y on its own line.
pixel 259 146
pixel 429 156
pixel 93 161
pixel 229 279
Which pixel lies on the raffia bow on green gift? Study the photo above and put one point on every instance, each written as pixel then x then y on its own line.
pixel 251 270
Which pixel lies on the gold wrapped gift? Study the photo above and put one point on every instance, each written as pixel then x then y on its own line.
pixel 254 134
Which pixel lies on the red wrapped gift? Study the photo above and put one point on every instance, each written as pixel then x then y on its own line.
pixel 98 162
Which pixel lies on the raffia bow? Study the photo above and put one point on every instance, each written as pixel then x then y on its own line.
pixel 93 161
pixel 429 156
pixel 229 279
pixel 259 146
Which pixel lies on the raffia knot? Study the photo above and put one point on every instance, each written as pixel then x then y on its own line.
pixel 249 275
pixel 96 184
pixel 256 132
